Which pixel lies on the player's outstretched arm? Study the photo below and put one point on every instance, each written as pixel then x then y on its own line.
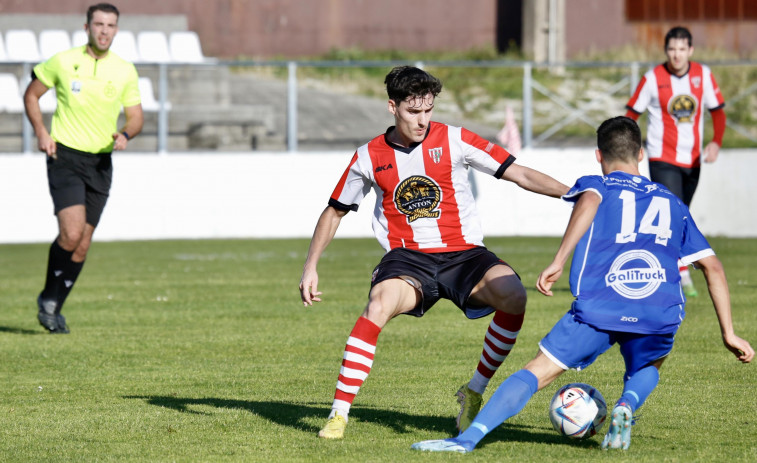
pixel 580 221
pixel 324 232
pixel 533 180
pixel 721 299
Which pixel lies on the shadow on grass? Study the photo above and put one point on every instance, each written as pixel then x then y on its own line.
pixel 11 330
pixel 297 416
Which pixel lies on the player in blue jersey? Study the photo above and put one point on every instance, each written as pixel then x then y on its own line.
pixel 628 234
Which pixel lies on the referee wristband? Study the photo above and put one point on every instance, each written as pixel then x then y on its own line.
pixel 126 135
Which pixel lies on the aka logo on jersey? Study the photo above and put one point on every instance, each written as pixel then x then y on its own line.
pixel 384 167
pixel 683 108
pixel 418 197
pixel 635 274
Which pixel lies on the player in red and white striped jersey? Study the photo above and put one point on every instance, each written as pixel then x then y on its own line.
pixel 425 218
pixel 675 94
pixel 426 199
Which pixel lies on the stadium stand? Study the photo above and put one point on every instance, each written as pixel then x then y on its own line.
pixel 3 53
pixel 48 102
pixel 153 47
pixel 21 45
pixel 11 100
pixel 52 41
pixel 79 38
pixel 185 47
pixel 149 102
pixel 205 110
pixel 125 46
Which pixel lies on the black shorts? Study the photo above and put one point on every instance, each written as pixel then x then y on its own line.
pixel 448 275
pixel 77 177
pixel 681 181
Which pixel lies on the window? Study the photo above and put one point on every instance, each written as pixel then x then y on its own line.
pixel 690 10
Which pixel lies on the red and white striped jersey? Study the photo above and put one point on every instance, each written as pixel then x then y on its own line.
pixel 676 121
pixel 424 199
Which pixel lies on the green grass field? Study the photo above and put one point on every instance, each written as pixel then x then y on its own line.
pixel 202 351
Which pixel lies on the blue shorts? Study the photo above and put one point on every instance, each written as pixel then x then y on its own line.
pixel 575 345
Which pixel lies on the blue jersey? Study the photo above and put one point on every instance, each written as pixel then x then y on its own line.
pixel 624 272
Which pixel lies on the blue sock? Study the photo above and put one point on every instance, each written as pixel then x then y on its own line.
pixel 509 399
pixel 639 386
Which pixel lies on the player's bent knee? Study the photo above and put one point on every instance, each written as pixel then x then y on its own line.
pixel 513 297
pixel 390 298
pixel 71 240
pixel 380 314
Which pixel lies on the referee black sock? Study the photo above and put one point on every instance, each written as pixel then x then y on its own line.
pixel 57 261
pixel 71 273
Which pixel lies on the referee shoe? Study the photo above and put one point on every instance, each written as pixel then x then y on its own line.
pixel 53 322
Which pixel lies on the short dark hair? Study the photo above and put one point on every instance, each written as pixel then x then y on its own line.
pixel 405 81
pixel 619 138
pixel 678 32
pixel 106 7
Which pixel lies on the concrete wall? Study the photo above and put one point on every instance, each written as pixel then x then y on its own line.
pixel 544 31
pixel 74 22
pixel 281 195
pixel 296 28
pixel 597 25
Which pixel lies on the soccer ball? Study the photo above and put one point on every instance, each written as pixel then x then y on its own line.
pixel 577 410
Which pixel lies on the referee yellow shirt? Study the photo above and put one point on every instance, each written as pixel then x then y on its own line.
pixel 90 95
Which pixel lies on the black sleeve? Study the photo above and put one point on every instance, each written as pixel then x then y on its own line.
pixel 342 207
pixel 717 107
pixel 508 162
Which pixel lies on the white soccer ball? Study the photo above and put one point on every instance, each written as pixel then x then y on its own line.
pixel 577 410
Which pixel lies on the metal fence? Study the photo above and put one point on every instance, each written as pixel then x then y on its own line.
pixel 543 86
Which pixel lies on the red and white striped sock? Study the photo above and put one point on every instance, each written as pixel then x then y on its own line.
pixel 356 364
pixel 500 339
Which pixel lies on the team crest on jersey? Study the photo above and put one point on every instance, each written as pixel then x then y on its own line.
pixel 683 108
pixel 418 197
pixel 635 274
pixel 110 90
pixel 436 154
pixel 696 81
pixel 75 86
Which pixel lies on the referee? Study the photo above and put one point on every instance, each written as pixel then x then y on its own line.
pixel 92 84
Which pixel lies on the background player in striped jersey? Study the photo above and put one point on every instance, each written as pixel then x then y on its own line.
pixel 675 94
pixel 626 235
pixel 426 220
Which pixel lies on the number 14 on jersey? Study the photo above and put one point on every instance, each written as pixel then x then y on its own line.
pixel 655 221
